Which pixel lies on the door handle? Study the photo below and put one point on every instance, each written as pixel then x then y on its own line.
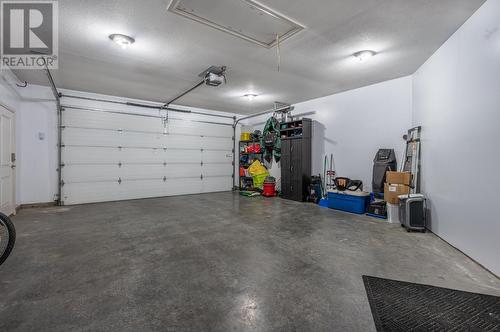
pixel 13 166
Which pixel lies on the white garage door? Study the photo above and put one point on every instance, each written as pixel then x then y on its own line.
pixel 110 156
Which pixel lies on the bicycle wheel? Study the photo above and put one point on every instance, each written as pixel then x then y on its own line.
pixel 7 237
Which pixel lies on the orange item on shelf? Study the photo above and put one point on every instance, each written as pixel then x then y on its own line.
pixel 254 148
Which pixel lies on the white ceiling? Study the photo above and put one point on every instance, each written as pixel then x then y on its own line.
pixel 170 50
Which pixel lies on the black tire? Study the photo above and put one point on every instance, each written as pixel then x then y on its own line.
pixel 6 223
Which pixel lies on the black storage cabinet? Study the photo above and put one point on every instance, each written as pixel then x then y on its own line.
pixel 296 159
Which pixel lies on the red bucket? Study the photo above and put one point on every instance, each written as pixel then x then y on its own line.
pixel 269 189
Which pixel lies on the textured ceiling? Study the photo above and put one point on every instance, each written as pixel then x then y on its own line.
pixel 170 51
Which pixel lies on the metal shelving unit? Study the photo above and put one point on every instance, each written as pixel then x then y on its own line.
pixel 246 180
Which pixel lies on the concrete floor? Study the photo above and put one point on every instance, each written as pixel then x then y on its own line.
pixel 214 262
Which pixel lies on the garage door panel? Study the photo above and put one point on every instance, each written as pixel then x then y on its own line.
pixel 181 142
pixel 114 121
pixel 127 156
pixel 97 173
pixel 183 156
pixel 150 188
pixel 183 171
pixel 129 172
pixel 81 193
pixel 201 128
pixel 91 173
pixel 151 133
pixel 94 173
pixel 183 186
pixel 215 143
pixel 79 118
pixel 217 170
pixel 103 155
pixel 86 137
pixel 211 156
pixel 216 184
pixel 216 130
pixel 161 141
pixel 134 139
pixel 115 138
pixel 89 155
pixel 98 137
pixel 94 155
pixel 111 173
pixel 143 171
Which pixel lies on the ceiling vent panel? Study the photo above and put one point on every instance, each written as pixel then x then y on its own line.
pixel 245 19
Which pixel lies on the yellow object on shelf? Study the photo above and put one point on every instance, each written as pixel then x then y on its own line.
pixel 258 180
pixel 257 168
pixel 246 136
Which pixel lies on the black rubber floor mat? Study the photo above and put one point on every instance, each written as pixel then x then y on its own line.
pixel 403 306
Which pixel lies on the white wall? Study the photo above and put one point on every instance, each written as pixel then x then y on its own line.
pixel 12 101
pixel 353 125
pixel 36 159
pixel 37 162
pixel 456 98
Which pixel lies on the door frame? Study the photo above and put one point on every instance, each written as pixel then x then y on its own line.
pixel 14 148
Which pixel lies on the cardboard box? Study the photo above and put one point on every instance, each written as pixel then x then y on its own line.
pixel 392 191
pixel 398 178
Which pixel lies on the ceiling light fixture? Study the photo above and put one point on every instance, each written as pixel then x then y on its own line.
pixel 123 40
pixel 250 96
pixel 363 56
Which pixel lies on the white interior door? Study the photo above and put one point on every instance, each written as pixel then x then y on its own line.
pixel 7 160
pixel 112 157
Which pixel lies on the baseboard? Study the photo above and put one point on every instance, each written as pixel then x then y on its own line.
pixel 463 253
pixel 36 205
